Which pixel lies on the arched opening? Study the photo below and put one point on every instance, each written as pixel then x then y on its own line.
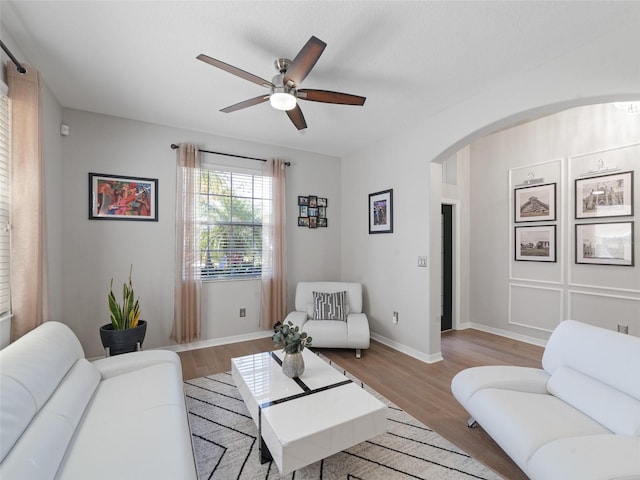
pixel 559 282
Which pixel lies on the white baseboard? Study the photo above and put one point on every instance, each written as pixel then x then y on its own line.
pixel 412 352
pixel 503 333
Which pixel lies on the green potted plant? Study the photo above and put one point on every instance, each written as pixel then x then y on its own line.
pixel 293 342
pixel 126 331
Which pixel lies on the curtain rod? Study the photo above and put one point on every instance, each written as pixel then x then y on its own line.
pixel 19 67
pixel 174 147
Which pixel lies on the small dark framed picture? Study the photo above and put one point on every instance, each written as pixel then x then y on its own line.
pixel 535 244
pixel 535 203
pixel 313 222
pixel 322 202
pixel 605 196
pixel 116 197
pixel 313 201
pixel 322 222
pixel 302 200
pixel 322 212
pixel 303 222
pixel 605 243
pixel 313 212
pixel 304 211
pixel 381 212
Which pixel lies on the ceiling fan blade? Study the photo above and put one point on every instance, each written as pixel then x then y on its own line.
pixel 247 103
pixel 304 61
pixel 234 70
pixel 326 96
pixel 297 118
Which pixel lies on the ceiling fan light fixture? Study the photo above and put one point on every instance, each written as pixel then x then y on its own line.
pixel 282 101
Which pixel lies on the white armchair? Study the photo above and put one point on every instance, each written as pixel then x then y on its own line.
pixel 352 332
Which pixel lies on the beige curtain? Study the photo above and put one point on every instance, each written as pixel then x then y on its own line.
pixel 28 295
pixel 274 247
pixel 186 318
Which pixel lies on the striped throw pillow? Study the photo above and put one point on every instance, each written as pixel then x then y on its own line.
pixel 330 306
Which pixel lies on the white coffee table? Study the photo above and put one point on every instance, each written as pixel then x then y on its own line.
pixel 303 420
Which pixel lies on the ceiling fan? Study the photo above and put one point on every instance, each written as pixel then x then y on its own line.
pixel 285 86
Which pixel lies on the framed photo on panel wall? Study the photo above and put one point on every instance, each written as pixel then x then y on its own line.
pixel 535 244
pixel 605 196
pixel 605 243
pixel 381 212
pixel 535 203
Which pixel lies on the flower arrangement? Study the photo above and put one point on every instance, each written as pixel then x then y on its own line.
pixel 126 315
pixel 290 337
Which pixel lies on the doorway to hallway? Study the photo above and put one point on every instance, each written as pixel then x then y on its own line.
pixel 446 317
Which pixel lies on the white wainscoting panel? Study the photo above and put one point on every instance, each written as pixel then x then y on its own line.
pixel 540 308
pixel 605 310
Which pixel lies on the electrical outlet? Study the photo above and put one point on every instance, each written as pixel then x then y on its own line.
pixel 422 261
pixel 243 312
pixel 395 318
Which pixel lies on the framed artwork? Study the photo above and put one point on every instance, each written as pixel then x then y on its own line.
pixel 535 203
pixel 312 211
pixel 381 212
pixel 605 243
pixel 605 196
pixel 535 244
pixel 114 197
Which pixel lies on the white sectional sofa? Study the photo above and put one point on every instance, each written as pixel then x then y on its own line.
pixel 326 333
pixel 577 418
pixel 63 417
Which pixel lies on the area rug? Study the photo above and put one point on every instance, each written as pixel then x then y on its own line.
pixel 225 443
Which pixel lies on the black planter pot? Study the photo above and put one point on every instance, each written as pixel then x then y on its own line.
pixel 123 341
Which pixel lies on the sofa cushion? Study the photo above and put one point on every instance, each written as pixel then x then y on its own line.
pixel 602 354
pixel 329 306
pixel 596 399
pixel 592 457
pixel 328 333
pixel 147 432
pixel 522 422
pixel 30 371
pixel 41 448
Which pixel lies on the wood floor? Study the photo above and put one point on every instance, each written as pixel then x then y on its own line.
pixel 420 389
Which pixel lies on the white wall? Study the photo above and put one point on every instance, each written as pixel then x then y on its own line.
pixel 531 298
pixel 96 250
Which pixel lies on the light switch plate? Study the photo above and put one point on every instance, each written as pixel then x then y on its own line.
pixel 422 261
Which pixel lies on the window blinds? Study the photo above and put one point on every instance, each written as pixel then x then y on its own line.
pixel 5 196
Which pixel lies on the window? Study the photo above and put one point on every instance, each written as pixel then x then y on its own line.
pixel 5 196
pixel 231 210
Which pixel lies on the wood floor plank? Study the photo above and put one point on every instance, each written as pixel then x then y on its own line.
pixel 423 390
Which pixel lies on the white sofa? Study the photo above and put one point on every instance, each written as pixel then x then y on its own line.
pixel 63 417
pixel 352 333
pixel 577 418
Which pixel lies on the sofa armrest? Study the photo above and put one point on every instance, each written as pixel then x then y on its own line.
pixel 358 331
pixel 297 318
pixel 522 379
pixel 588 458
pixel 129 362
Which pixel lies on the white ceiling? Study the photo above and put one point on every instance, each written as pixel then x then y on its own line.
pixel 410 59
